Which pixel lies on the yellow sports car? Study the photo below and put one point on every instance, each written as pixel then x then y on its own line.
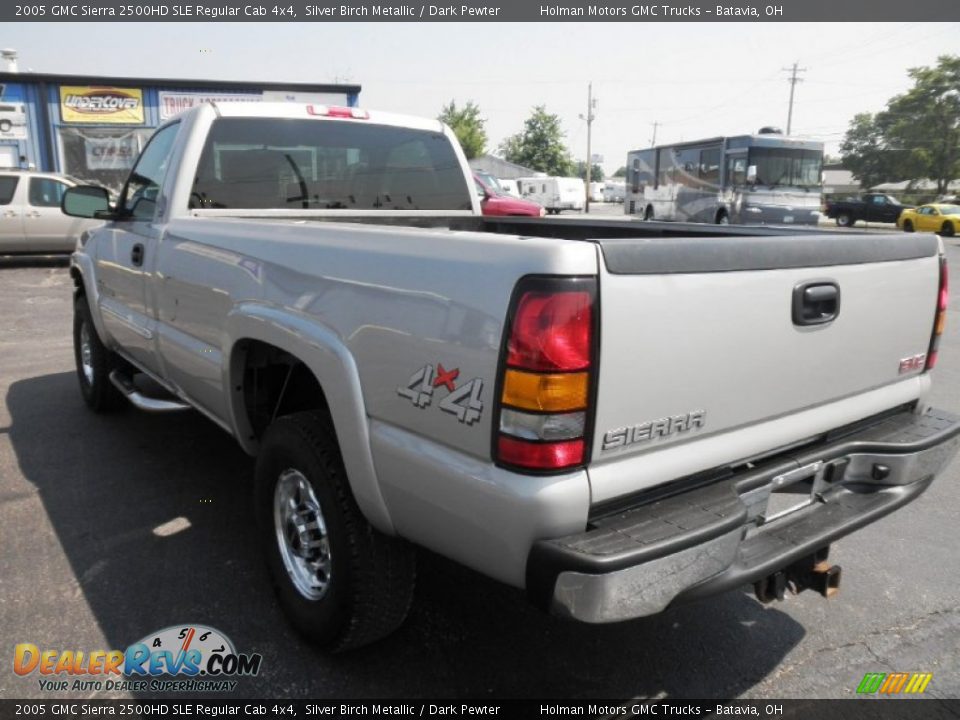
pixel 943 219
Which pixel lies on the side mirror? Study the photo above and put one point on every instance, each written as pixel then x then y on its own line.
pixel 86 201
pixel 752 174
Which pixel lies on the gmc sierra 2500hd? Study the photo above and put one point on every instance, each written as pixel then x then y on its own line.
pixel 615 416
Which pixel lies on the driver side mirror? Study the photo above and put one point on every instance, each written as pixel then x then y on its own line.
pixel 86 201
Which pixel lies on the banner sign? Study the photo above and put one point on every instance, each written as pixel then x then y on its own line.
pixel 111 153
pixel 172 103
pixel 101 105
pixel 13 121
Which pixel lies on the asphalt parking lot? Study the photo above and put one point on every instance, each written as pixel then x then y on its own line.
pixel 112 527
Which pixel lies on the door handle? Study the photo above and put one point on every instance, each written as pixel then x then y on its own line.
pixel 136 255
pixel 10 214
pixel 816 302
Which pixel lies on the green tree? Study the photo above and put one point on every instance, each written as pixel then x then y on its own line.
pixel 866 152
pixel 621 171
pixel 596 172
pixel 539 145
pixel 916 136
pixel 467 125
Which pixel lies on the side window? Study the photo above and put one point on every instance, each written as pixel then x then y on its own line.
pixel 45 192
pixel 8 186
pixel 879 200
pixel 139 197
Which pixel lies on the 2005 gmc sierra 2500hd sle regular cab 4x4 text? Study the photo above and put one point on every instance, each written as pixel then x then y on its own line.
pixel 615 416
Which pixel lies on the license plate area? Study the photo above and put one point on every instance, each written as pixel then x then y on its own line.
pixel 793 491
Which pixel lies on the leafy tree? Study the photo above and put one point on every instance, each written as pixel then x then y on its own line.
pixel 539 145
pixel 866 152
pixel 621 172
pixel 596 172
pixel 916 136
pixel 467 125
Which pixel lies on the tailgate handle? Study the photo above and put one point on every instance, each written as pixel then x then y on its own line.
pixel 816 302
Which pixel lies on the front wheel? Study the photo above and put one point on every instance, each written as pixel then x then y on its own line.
pixel 94 361
pixel 908 226
pixel 342 583
pixel 845 220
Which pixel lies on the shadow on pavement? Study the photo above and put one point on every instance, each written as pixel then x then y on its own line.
pixel 107 482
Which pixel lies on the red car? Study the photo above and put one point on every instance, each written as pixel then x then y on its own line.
pixel 496 202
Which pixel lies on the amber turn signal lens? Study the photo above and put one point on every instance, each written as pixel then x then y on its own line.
pixel 551 392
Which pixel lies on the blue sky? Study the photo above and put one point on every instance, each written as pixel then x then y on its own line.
pixel 694 79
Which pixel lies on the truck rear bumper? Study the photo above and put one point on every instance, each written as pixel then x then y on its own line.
pixel 718 534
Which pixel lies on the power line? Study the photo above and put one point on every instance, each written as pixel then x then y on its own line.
pixel 793 80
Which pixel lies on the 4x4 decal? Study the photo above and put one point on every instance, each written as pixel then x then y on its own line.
pixel 464 402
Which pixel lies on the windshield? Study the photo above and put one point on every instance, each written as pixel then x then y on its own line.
pixel 489 182
pixel 327 165
pixel 787 166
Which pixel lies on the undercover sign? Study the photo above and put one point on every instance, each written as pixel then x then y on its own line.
pixel 101 105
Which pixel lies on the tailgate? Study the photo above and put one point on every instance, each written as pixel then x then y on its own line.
pixel 706 357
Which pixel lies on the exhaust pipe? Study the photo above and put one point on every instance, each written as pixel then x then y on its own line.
pixel 811 573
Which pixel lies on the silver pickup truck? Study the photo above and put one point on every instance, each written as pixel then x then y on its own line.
pixel 616 416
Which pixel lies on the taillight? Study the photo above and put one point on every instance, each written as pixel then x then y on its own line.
pixel 940 319
pixel 547 372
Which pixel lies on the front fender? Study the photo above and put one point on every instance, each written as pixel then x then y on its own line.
pixel 323 352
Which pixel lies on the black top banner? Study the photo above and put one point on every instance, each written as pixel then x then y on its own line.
pixel 308 11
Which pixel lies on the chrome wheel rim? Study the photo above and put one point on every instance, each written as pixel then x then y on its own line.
pixel 86 353
pixel 301 534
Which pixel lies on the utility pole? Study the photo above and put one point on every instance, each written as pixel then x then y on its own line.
pixel 793 80
pixel 591 104
pixel 653 140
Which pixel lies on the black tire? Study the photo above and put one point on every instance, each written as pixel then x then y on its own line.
pixel 98 392
pixel 908 226
pixel 947 230
pixel 845 220
pixel 368 586
pixel 6 125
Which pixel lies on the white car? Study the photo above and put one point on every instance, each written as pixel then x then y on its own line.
pixel 30 217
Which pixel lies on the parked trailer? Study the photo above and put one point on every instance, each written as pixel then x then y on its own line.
pixel 554 193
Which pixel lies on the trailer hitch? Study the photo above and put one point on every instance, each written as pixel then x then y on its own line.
pixel 811 573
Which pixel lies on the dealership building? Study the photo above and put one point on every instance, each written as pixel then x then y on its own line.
pixel 93 128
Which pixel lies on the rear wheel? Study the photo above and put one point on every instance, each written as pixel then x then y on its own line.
pixel 845 220
pixel 908 225
pixel 94 361
pixel 947 230
pixel 342 583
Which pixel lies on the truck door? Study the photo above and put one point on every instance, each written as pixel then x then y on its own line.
pixel 126 259
pixel 11 215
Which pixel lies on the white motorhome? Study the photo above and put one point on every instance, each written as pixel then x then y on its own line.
pixel 614 191
pixel 596 192
pixel 554 193
pixel 510 187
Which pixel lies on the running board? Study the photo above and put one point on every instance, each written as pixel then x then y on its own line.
pixel 140 401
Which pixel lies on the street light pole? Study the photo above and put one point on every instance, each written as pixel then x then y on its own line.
pixel 589 118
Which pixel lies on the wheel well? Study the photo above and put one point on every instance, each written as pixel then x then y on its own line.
pixel 270 383
pixel 78 288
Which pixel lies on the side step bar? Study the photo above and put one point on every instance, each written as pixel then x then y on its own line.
pixel 140 401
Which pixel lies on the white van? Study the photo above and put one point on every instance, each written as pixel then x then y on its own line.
pixel 510 187
pixel 554 193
